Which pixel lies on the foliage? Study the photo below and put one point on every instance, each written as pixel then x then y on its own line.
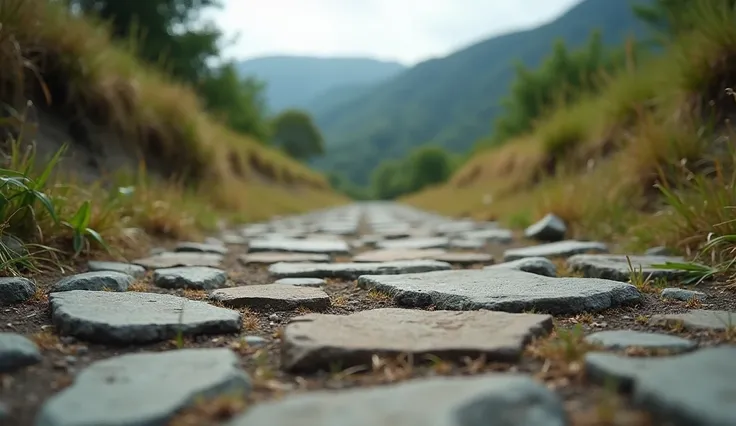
pixel 295 133
pixel 426 166
pixel 172 35
pixel 672 17
pixel 564 76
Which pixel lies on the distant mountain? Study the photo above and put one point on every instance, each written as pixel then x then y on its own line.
pixel 452 101
pixel 298 81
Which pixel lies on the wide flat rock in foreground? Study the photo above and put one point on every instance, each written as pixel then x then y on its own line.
pixel 491 400
pixel 354 270
pixel 132 317
pixel 502 290
pixel 317 341
pixel 697 388
pixel 144 388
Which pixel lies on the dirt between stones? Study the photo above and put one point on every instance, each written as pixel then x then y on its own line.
pixel 554 359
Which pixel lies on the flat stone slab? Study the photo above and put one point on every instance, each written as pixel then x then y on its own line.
pixel 464 258
pixel 133 317
pixel 280 297
pixel 616 267
pixel 682 294
pixel 201 248
pixel 321 246
pixel 559 249
pixel 390 255
pixel 194 277
pixel 16 352
pixel 490 235
pixel 533 265
pixel 304 282
pixel 16 290
pixel 489 400
pixel 269 258
pixel 94 281
pixel 695 389
pixel 316 341
pixel 502 290
pixel 698 319
pixel 623 339
pixel 144 388
pixel 467 244
pixel 353 270
pixel 136 271
pixel 174 259
pixel 414 243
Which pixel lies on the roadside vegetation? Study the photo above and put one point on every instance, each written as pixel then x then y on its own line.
pixel 198 135
pixel 645 159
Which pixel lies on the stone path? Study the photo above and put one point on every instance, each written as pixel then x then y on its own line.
pixel 367 315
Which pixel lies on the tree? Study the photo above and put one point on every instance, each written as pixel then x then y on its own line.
pixel 429 165
pixel 166 32
pixel 296 134
pixel 389 180
pixel 239 103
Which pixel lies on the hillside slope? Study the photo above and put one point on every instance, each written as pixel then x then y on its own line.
pixel 300 81
pixel 648 161
pixel 452 101
pixel 127 123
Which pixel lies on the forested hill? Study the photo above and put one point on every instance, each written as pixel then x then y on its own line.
pixel 452 101
pixel 307 82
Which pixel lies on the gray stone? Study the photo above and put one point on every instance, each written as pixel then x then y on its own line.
pixel 144 388
pixel 456 227
pixel 304 282
pixel 658 251
pixel 414 243
pixel 565 248
pixel 549 228
pixel 464 258
pixel 320 246
pixel 268 258
pixel 699 319
pixel 279 297
pixel 502 290
pixel 255 341
pixel 133 317
pixel 693 389
pixel 17 352
pixel 16 290
pixel 194 277
pixel 623 339
pixel 390 255
pixel 489 400
pixel 316 341
pixel 616 267
pixel 490 235
pixel 533 265
pixel 467 244
pixel 174 259
pixel 682 294
pixel 352 271
pixel 192 247
pixel 135 271
pixel 94 281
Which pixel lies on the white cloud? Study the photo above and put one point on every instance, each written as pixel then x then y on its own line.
pixel 404 30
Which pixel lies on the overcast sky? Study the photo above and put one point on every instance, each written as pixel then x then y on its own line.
pixel 408 31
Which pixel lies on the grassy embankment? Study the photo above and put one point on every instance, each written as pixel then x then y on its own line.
pixel 204 172
pixel 648 161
